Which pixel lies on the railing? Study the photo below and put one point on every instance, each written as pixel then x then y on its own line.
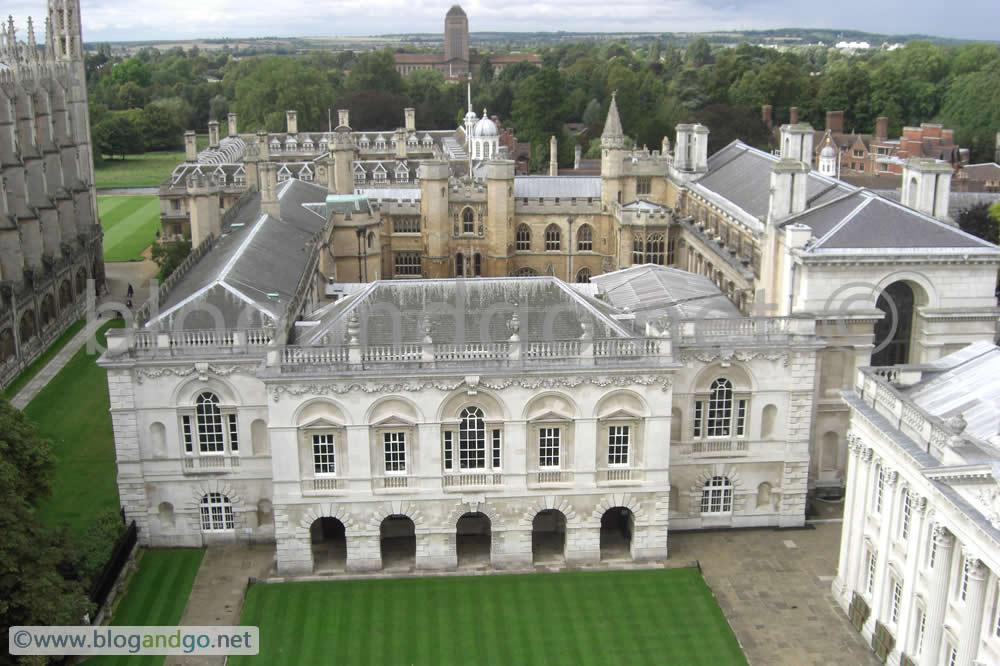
pixel 622 475
pixel 321 485
pixel 475 351
pixel 391 354
pixel 390 482
pixel 759 328
pixel 313 355
pixel 201 339
pixel 557 349
pixel 890 374
pixel 720 446
pixel 549 477
pixel 151 342
pixel 472 480
pixel 210 464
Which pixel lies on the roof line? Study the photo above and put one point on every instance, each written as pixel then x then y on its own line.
pixel 934 220
pixel 182 303
pixel 575 295
pixel 243 246
pixel 246 299
pixel 840 225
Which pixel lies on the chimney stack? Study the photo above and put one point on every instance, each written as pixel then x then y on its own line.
pixel 190 146
pixel 577 154
pixel 927 186
pixel 231 121
pixel 881 127
pixel 767 115
pixel 553 157
pixel 410 114
pixel 292 122
pixel 835 121
pixel 793 116
pixel 343 118
pixel 213 133
pixel 797 143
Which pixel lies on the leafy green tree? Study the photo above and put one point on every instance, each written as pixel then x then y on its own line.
pixel 485 70
pixel 132 96
pixel 116 134
pixel 375 71
pixel 592 114
pixel 26 460
pixel 168 255
pixel 264 88
pixel 972 107
pixel 699 53
pixel 160 128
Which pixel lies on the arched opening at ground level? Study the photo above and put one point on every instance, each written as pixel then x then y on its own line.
pixel 398 541
pixel 329 544
pixel 548 537
pixel 473 538
pixel 617 527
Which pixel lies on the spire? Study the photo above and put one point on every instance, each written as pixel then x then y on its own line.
pixel 613 137
pixel 11 39
pixel 50 44
pixel 32 47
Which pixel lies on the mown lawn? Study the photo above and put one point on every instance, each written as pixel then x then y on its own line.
pixel 130 224
pixel 35 366
pixel 146 170
pixel 658 616
pixel 156 595
pixel 72 411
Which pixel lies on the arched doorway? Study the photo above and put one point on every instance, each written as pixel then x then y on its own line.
pixel 548 537
pixel 892 333
pixel 473 538
pixel 329 544
pixel 617 526
pixel 398 541
pixel 27 326
pixel 48 310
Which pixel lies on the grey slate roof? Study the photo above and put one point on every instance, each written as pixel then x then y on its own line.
pixel 652 291
pixel 549 187
pixel 548 310
pixel 957 202
pixel 251 274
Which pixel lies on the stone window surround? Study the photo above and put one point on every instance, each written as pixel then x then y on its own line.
pixel 190 411
pixel 635 444
pixel 452 426
pixel 567 442
pixel 703 397
pixel 377 438
pixel 305 442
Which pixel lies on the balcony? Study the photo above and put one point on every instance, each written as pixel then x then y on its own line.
pixel 723 448
pixel 619 476
pixel 467 481
pixel 211 464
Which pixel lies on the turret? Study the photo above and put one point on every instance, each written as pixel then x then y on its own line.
pixel 63 37
pixel 410 119
pixel 691 152
pixel 500 214
pixel 203 193
pixel 433 176
pixel 342 150
pixel 829 155
pixel 612 155
pixel 291 122
pixel 190 146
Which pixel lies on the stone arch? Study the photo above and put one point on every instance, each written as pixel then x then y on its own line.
pixel 394 405
pixel 895 332
pixel 764 495
pixel 735 371
pixel 493 407
pixel 165 512
pixel 48 310
pixel 624 500
pixel 65 294
pixel 829 452
pixel 158 439
pixel 551 401
pixel 186 392
pixel 81 280
pixel 621 400
pixel 8 346
pixel 259 438
pixel 474 506
pixel 396 508
pixel 768 421
pixel 320 408
pixel 540 504
pixel 327 510
pixel 27 328
pixel 213 486
pixel 732 472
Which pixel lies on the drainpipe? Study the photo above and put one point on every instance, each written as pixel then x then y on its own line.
pixel 360 232
pixel 569 270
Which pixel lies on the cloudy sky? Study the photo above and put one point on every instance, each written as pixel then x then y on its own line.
pixel 126 20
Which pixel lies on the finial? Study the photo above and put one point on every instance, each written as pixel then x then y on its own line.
pixel 32 47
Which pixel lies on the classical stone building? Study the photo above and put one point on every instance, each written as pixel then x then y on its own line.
pixel 920 551
pixel 701 316
pixel 50 237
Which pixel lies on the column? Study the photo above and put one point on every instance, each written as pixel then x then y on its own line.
pixel 905 636
pixel 850 526
pixel 881 595
pixel 972 622
pixel 858 519
pixel 938 602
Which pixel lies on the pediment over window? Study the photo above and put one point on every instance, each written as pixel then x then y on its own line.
pixel 621 414
pixel 550 415
pixel 393 420
pixel 320 423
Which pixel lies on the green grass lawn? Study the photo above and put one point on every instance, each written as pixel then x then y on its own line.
pixel 658 616
pixel 72 411
pixel 130 224
pixel 29 373
pixel 146 170
pixel 156 595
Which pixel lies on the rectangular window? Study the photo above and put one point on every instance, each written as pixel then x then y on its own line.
pixel 921 625
pixel 741 418
pixel 406 225
pixel 323 454
pixel 234 437
pixel 952 655
pixel 548 447
pixel 395 452
pixel 697 418
pixel 879 489
pixel 964 591
pixel 618 441
pixel 643 185
pixel 186 429
pixel 497 457
pixel 904 522
pixel 472 447
pixel 407 263
pixel 870 577
pixel 447 450
pixel 897 598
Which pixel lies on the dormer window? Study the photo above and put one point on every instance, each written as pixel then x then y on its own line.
pixel 275 146
pixel 359 174
pixel 380 175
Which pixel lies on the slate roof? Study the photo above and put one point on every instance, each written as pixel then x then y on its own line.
pixel 251 274
pixel 549 187
pixel 651 292
pixel 548 309
pixel 957 202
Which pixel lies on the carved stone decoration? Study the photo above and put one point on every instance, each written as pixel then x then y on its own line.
pixel 942 534
pixel 727 356
pixel 531 383
pixel 918 504
pixel 989 505
pixel 141 374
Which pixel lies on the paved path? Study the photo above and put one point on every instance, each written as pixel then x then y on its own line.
pixel 38 382
pixel 218 592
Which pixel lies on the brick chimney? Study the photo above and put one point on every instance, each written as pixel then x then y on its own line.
pixel 793 116
pixel 767 115
pixel 881 127
pixel 835 121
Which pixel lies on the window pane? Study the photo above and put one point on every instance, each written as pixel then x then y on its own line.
pixel 548 447
pixel 323 454
pixel 209 417
pixel 720 408
pixel 618 441
pixel 447 450
pixel 395 452
pixel 497 457
pixel 472 439
pixel 234 438
pixel 188 439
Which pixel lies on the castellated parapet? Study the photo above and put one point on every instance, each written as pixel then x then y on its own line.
pixel 50 236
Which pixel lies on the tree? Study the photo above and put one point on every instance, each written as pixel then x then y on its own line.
pixel 160 128
pixel 26 460
pixel 981 220
pixel 132 96
pixel 592 114
pixel 972 107
pixel 375 71
pixel 116 134
pixel 168 255
pixel 699 52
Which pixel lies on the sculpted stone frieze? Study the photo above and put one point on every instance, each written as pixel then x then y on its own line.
pixel 709 356
pixel 141 374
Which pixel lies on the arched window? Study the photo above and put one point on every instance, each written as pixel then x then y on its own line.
pixel 654 249
pixel 553 238
pixel 477 264
pixel 720 408
pixel 523 238
pixel 472 439
pixel 717 495
pixel 525 272
pixel 371 240
pixel 8 349
pixel 638 249
pixel 209 419
pixel 459 265
pixel 585 239
pixel 216 513
pixel 583 275
pixel 468 221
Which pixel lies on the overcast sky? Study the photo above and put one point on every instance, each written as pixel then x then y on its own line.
pixel 128 20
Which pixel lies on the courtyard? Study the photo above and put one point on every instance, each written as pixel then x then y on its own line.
pixel 665 616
